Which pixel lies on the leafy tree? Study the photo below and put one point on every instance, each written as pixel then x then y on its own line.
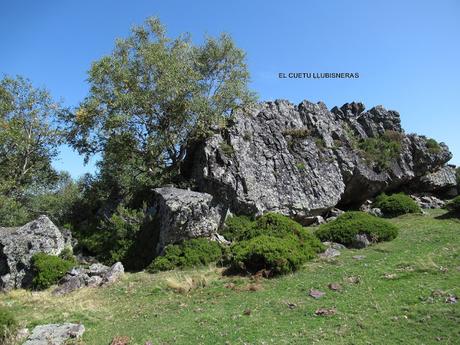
pixel 150 97
pixel 29 138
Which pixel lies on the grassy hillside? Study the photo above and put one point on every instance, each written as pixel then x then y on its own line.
pixel 396 294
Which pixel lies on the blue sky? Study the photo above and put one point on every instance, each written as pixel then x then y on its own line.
pixel 407 52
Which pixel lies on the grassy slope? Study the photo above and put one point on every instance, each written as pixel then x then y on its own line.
pixel 391 304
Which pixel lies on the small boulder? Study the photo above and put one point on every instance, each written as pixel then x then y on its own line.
pixel 18 246
pixel 361 241
pixel 55 334
pixel 113 274
pixel 183 214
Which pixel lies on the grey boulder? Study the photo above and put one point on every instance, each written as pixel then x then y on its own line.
pixel 302 160
pixel 96 275
pixel 18 245
pixel 183 214
pixel 55 334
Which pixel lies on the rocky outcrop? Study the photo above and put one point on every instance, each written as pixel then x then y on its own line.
pixel 55 334
pixel 183 214
pixel 442 181
pixel 303 160
pixel 94 276
pixel 18 245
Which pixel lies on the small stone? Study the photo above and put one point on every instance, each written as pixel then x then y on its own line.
pixel 390 276
pixel 451 299
pixel 360 241
pixel 316 294
pixel 329 253
pixel 120 340
pixel 335 287
pixel 247 312
pixel 326 311
pixel 358 257
pixel 353 279
pixel 291 305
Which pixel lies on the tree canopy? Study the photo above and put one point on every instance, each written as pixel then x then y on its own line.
pixel 152 95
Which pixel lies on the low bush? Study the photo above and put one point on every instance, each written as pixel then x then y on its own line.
pixel 48 269
pixel 8 326
pixel 275 254
pixel 236 227
pixel 454 205
pixel 274 243
pixel 433 146
pixel 396 204
pixel 190 253
pixel 348 225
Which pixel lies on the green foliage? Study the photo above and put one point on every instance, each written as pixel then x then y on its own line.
pixel 273 242
pixel 152 95
pixel 433 146
pixel 29 138
pixel 348 225
pixel 190 253
pixel 236 226
pixel 454 205
pixel 382 150
pixel 67 255
pixel 48 269
pixel 226 148
pixel 12 212
pixel 279 255
pixel 8 326
pixel 396 204
pixel 300 166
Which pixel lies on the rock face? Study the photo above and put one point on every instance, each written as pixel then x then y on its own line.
pixel 18 245
pixel 303 160
pixel 55 334
pixel 182 214
pixel 442 181
pixel 94 276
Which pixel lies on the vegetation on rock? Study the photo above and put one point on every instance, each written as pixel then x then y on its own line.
pixel 48 269
pixel 396 204
pixel 345 228
pixel 433 146
pixel 382 150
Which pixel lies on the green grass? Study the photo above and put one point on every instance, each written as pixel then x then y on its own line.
pixel 391 304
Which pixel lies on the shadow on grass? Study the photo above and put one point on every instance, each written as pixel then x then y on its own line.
pixel 449 215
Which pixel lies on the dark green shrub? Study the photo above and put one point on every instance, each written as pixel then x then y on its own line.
pixel 348 225
pixel 454 205
pixel 396 204
pixel 457 173
pixel 190 253
pixel 67 254
pixel 278 255
pixel 236 226
pixel 433 146
pixel 48 269
pixel 8 326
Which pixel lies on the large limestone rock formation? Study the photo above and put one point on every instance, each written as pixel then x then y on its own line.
pixel 182 214
pixel 442 182
pixel 303 160
pixel 18 245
